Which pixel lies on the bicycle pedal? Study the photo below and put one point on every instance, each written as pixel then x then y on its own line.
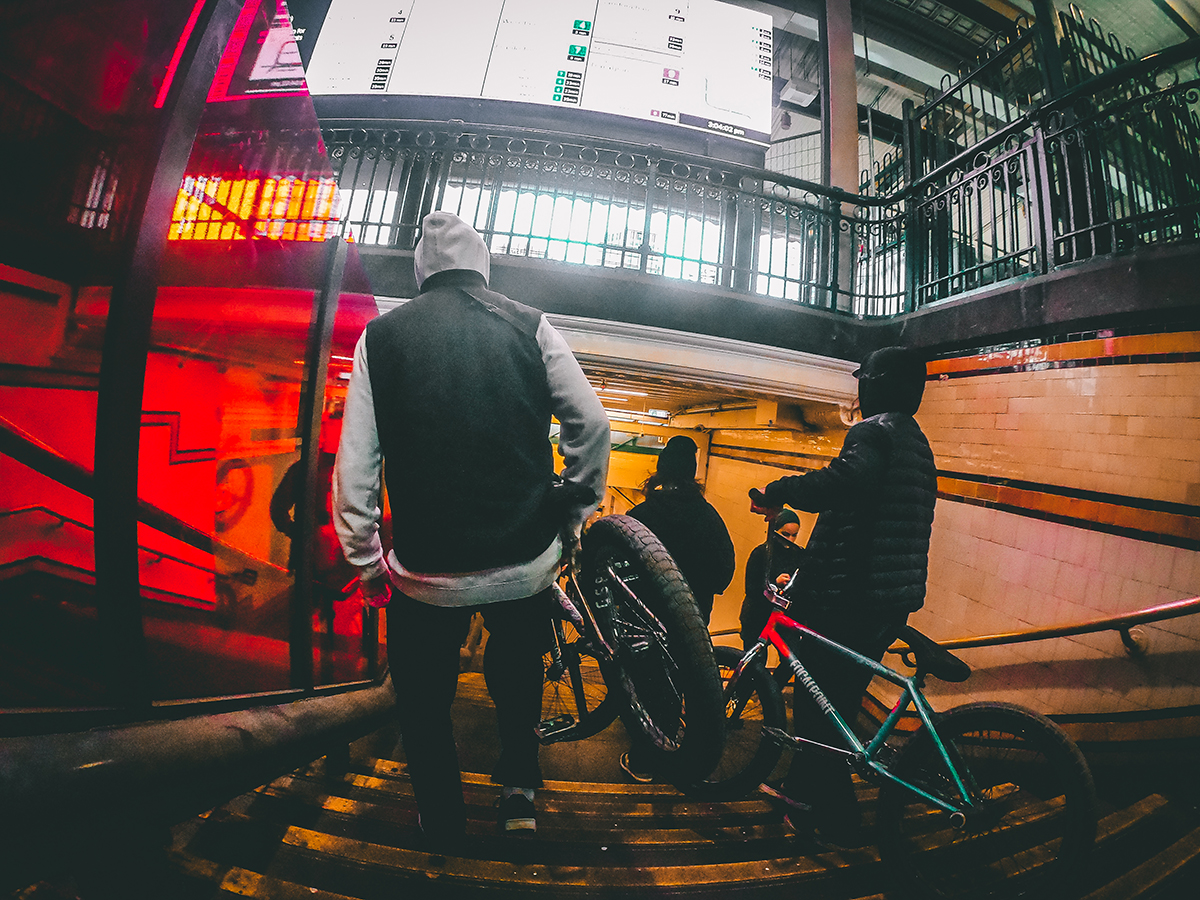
pixel 559 728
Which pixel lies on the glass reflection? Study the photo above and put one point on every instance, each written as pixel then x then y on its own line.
pixel 77 91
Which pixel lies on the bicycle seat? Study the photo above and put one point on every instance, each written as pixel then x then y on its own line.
pixel 930 658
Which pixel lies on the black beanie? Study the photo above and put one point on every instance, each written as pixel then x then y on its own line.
pixel 677 462
pixel 785 517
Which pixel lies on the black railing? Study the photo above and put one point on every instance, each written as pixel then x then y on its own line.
pixel 553 196
pixel 1122 624
pixel 1002 181
pixel 998 179
pixel 994 90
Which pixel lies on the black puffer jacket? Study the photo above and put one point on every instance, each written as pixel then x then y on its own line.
pixel 870 546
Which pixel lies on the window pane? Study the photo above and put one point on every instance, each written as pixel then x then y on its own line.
pixel 78 87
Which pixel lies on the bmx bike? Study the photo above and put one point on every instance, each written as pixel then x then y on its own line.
pixel 986 800
pixel 629 641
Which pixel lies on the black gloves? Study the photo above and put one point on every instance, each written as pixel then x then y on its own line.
pixel 758 498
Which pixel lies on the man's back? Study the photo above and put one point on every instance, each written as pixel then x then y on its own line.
pixel 463 409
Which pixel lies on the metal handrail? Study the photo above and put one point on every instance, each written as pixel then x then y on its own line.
pixel 1122 623
pixel 45 460
pixel 158 555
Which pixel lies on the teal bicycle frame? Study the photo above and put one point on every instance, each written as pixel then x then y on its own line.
pixel 865 758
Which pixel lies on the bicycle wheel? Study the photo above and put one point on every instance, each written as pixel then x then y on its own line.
pixel 663 659
pixel 1037 822
pixel 575 699
pixel 749 757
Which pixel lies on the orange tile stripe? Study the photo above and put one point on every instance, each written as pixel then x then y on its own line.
pixel 1097 348
pixel 1171 528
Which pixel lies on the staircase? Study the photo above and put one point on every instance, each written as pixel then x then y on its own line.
pixel 348 830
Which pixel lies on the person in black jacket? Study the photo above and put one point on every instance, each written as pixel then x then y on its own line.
pixel 775 560
pixel 866 568
pixel 692 531
pixel 695 535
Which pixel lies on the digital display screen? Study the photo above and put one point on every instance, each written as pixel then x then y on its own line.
pixel 694 63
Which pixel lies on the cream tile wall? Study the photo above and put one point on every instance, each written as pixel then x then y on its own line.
pixel 1132 430
pixel 993 571
pixel 1128 431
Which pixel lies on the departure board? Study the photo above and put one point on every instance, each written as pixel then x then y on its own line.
pixel 693 63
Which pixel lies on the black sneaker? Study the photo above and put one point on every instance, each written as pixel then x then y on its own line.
pixel 641 777
pixel 517 814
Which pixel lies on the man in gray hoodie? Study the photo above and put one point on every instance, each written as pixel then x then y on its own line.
pixel 451 395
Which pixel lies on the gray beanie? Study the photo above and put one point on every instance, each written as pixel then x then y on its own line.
pixel 447 242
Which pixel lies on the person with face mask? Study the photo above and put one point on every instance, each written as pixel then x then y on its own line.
pixel 866 567
pixel 774 561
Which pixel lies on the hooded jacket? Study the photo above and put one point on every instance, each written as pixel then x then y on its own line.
pixel 454 391
pixel 766 562
pixel 870 547
pixel 695 536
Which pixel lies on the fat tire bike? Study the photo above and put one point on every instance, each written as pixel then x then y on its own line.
pixel 986 800
pixel 629 642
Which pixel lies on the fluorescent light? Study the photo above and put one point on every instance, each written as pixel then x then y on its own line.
pixel 608 390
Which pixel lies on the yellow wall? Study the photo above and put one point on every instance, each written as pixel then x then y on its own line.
pixel 1069 478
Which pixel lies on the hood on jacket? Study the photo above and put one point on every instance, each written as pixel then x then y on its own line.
pixel 448 243
pixel 891 379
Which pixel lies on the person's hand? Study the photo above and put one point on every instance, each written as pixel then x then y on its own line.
pixel 783 579
pixel 759 505
pixel 570 536
pixel 376 592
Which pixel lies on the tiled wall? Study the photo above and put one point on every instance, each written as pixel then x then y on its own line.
pixel 1069 478
pixel 1069 484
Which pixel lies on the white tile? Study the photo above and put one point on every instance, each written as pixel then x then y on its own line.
pixel 1184 572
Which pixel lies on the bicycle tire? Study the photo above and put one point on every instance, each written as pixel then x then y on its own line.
pixel 671 689
pixel 749 756
pixel 559 697
pixel 1038 826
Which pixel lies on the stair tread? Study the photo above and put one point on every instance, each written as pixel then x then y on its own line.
pixel 1152 873
pixel 342 830
pixel 447 872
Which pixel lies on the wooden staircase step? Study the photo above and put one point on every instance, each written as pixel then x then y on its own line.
pixel 432 882
pixel 1150 878
pixel 333 834
pixel 395 773
pixel 562 877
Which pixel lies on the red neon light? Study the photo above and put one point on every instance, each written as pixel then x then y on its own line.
pixel 173 65
pixel 233 51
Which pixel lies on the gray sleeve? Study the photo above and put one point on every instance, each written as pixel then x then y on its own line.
pixel 583 439
pixel 357 473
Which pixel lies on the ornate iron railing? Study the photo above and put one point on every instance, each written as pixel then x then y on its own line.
pixel 991 92
pixel 997 180
pixel 549 196
pixel 1104 168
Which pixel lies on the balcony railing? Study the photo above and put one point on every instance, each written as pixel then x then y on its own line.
pixel 999 179
pixel 1015 185
pixel 555 197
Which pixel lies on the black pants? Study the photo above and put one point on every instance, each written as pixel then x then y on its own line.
pixel 823 781
pixel 423 643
